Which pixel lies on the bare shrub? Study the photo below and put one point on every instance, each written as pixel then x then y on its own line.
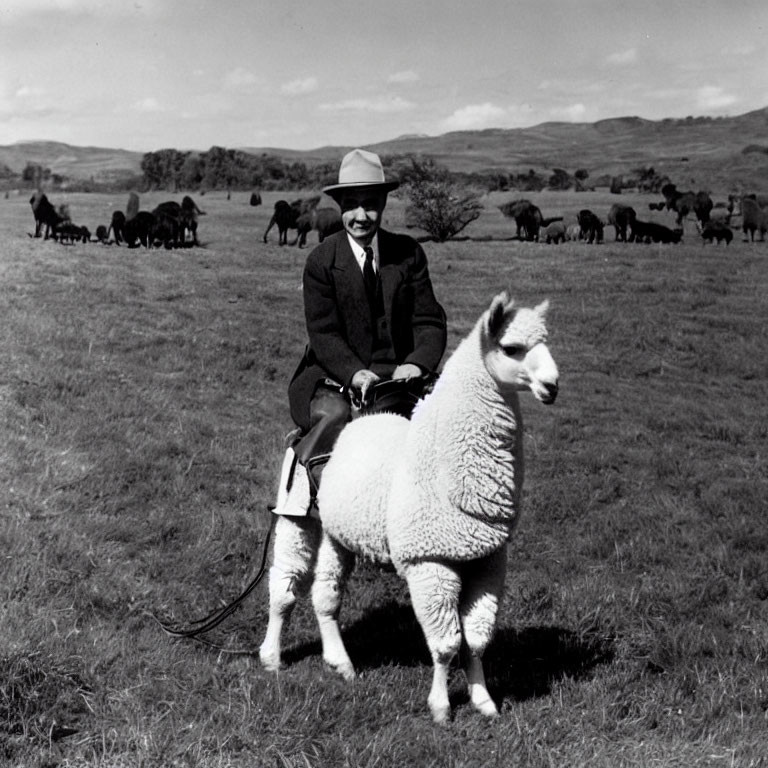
pixel 438 204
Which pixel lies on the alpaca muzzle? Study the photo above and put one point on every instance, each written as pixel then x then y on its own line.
pixel 550 391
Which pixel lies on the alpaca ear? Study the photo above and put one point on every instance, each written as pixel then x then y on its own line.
pixel 543 308
pixel 494 324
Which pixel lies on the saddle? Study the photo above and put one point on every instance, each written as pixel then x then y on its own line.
pixel 398 396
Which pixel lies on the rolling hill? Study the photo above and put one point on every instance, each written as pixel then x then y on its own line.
pixel 71 161
pixel 716 153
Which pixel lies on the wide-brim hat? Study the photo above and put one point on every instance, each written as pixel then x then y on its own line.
pixel 361 169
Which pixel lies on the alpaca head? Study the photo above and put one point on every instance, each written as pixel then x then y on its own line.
pixel 515 350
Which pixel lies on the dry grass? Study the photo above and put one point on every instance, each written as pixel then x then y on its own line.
pixel 143 406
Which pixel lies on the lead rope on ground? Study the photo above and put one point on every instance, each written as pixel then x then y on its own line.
pixel 394 396
pixel 213 619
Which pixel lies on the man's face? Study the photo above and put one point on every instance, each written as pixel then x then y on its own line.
pixel 361 211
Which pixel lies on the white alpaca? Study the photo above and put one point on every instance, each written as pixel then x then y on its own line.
pixel 437 496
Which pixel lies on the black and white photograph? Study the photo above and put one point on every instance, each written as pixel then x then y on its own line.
pixel 383 384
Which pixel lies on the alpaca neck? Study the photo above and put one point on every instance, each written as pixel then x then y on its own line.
pixel 480 427
pixel 466 368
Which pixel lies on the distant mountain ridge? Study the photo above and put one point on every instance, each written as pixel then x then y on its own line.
pixel 702 151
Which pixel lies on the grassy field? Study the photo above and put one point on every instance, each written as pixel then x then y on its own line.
pixel 142 398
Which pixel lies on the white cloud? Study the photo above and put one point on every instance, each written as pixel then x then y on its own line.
pixel 18 8
pixel 240 78
pixel 300 86
pixel 573 112
pixel 713 97
pixel 623 57
pixel 406 76
pixel 148 104
pixel 27 91
pixel 382 105
pixel 25 101
pixel 738 49
pixel 475 116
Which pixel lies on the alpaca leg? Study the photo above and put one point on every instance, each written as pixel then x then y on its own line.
pixel 435 589
pixel 293 556
pixel 480 598
pixel 334 564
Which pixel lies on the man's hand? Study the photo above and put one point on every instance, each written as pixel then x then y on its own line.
pixel 361 384
pixel 406 371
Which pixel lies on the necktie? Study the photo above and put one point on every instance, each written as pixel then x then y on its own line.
pixel 369 276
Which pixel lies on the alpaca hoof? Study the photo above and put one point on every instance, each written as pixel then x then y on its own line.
pixel 269 660
pixel 441 713
pixel 344 668
pixel 486 707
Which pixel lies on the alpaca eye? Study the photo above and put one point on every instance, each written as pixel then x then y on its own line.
pixel 512 350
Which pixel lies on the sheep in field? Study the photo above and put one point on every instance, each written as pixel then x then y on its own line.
pixel 573 232
pixel 437 497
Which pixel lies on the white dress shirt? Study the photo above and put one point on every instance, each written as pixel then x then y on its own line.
pixel 359 252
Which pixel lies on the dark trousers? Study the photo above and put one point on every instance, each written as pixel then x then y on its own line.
pixel 329 412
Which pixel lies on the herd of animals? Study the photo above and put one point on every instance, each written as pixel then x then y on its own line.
pixel 713 220
pixel 170 223
pixel 303 216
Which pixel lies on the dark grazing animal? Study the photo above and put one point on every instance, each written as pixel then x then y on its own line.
pixel 591 226
pixel 680 202
pixel 168 226
pixel 255 198
pixel 716 232
pixel 67 232
pixel 286 216
pixel 622 217
pixel 702 206
pixel 102 234
pixel 684 203
pixel 325 221
pixel 529 222
pixel 189 214
pixel 46 216
pixel 528 218
pixel 754 218
pixel 117 225
pixel 651 232
pixel 140 230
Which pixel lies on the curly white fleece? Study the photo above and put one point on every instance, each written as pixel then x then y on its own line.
pixel 445 485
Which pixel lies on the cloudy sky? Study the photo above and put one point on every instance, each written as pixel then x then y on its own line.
pixel 150 74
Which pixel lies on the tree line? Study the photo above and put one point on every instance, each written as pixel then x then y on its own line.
pixel 221 168
pixel 231 169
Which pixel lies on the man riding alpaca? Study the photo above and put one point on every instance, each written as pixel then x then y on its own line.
pixel 371 315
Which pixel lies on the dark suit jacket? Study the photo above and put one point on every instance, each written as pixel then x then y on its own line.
pixel 339 322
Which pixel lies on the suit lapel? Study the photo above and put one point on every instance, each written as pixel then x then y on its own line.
pixel 391 274
pixel 350 288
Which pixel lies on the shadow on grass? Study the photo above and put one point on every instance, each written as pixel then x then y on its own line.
pixel 523 664
pixel 520 664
